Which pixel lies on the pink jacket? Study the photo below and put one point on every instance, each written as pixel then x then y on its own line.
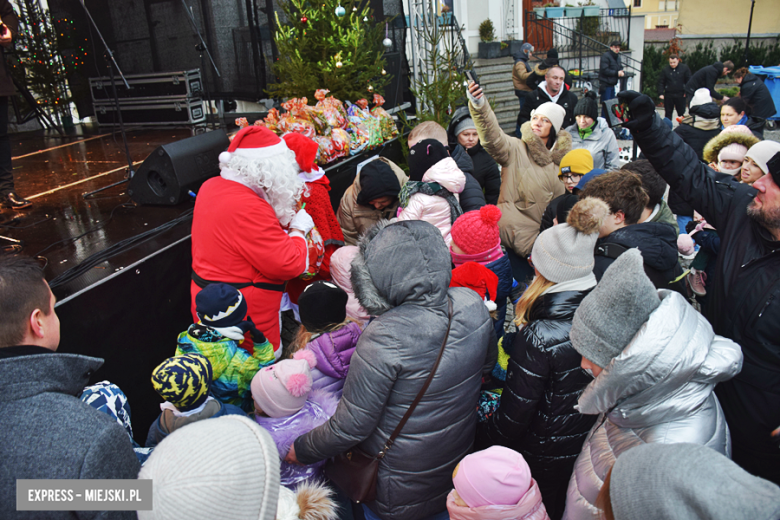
pixel 431 208
pixel 340 269
pixel 530 507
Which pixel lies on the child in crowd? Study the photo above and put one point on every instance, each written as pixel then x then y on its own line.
pixel 318 205
pixel 494 484
pixel 327 333
pixel 286 406
pixel 726 151
pixel 431 194
pixel 184 382
pixel 218 336
pixel 340 270
pixel 475 238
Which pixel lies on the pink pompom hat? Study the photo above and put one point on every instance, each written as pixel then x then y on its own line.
pixel 281 389
pixel 477 231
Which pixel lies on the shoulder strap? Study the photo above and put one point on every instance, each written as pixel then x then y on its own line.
pixel 420 394
pixel 610 250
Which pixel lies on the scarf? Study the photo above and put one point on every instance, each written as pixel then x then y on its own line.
pixel 587 131
pixel 430 188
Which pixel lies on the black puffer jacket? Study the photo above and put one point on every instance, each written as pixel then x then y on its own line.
pixel 705 77
pixel 744 298
pixel 471 197
pixel 567 99
pixel 609 67
pixel 757 95
pixel 544 380
pixel 656 241
pixel 671 81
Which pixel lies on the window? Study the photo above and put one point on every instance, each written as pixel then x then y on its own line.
pixel 662 5
pixel 637 3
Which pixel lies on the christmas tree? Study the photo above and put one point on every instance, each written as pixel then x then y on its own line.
pixel 41 66
pixel 331 44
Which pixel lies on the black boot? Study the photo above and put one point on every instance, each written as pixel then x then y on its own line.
pixel 14 201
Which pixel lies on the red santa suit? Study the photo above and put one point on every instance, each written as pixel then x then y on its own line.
pixel 318 205
pixel 237 239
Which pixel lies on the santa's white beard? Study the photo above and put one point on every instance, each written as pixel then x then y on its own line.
pixel 275 179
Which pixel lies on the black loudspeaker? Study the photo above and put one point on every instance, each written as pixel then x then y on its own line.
pixel 174 169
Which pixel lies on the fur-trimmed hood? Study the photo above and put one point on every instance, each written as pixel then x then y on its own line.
pixel 538 152
pixel 401 263
pixel 310 501
pixel 722 140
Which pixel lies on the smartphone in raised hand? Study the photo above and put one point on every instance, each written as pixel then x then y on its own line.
pixel 617 112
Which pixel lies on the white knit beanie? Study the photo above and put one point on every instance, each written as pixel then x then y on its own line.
pixel 701 97
pixel 226 467
pixel 565 252
pixel 762 152
pixel 552 111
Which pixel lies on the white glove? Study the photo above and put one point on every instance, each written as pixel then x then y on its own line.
pixel 475 101
pixel 302 221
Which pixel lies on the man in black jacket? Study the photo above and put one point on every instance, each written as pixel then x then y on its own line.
pixel 755 93
pixel 744 300
pixel 610 72
pixel 10 27
pixel 671 86
pixel 627 198
pixel 706 77
pixel 552 89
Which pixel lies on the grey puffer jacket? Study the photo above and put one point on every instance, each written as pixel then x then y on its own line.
pixel 601 144
pixel 658 390
pixel 401 275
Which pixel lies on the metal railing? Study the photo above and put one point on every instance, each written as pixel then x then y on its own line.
pixel 581 41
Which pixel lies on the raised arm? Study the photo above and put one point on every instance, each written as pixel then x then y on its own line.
pixel 493 139
pixel 709 194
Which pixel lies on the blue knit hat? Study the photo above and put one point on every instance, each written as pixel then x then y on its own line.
pixel 183 381
pixel 220 305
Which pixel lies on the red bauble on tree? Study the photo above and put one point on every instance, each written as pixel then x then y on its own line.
pixel 304 19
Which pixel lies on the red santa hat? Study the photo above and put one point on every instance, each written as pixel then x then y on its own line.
pixel 479 279
pixel 305 150
pixel 254 142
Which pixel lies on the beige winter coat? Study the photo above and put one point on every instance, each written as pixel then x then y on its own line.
pixel 529 176
pixel 354 218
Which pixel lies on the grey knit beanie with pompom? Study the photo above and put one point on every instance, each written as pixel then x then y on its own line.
pixel 565 252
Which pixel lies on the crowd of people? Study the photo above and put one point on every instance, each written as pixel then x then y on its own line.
pixel 631 386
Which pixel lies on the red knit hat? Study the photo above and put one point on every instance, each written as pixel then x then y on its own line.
pixel 305 150
pixel 477 231
pixel 478 278
pixel 254 142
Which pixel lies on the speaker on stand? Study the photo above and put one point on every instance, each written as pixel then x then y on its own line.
pixel 174 169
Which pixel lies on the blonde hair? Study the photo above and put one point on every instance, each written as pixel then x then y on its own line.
pixel 428 130
pixel 529 297
pixel 303 337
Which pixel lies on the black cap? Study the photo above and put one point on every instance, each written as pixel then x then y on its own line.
pixel 773 165
pixel 615 43
pixel 321 305
pixel 423 155
pixel 377 179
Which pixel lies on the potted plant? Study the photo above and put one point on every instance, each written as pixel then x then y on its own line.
pixel 488 47
pixel 538 10
pixel 590 9
pixel 514 46
pixel 553 11
pixel 573 12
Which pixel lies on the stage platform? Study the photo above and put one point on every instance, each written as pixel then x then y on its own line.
pixel 130 308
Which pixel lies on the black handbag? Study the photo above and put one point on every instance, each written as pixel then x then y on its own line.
pixel 355 471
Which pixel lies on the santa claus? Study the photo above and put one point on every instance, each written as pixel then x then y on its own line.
pixel 238 229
